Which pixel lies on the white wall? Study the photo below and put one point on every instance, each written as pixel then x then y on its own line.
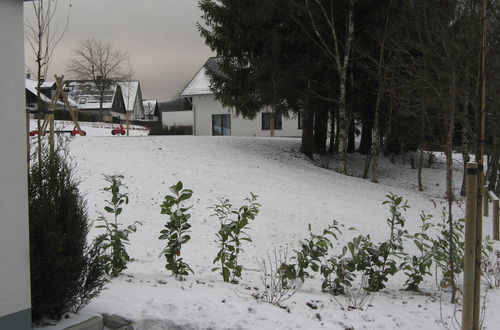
pixel 206 106
pixel 14 230
pixel 177 118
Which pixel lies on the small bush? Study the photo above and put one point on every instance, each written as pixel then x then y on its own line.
pixel 159 129
pixel 233 223
pixel 64 275
pixel 116 236
pixel 176 229
pixel 277 287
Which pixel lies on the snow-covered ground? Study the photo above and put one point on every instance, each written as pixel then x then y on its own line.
pixel 293 192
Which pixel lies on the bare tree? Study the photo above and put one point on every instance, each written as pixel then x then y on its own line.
pixel 43 38
pixel 96 60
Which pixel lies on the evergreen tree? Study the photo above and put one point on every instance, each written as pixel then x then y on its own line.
pixel 63 276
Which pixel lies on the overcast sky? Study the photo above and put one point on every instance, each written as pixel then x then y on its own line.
pixel 161 36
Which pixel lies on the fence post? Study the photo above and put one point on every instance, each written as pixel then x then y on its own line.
pixel 470 246
pixel 486 211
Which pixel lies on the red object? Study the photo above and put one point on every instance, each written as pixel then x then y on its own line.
pixel 119 131
pixel 77 132
pixel 33 133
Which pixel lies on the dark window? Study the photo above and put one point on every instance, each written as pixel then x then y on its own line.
pixel 300 120
pixel 221 124
pixel 266 121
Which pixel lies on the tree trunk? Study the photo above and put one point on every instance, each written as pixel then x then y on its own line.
pixel 366 135
pixel 449 187
pixel 343 121
pixel 320 129
pixel 420 165
pixel 307 146
pixel 351 137
pixel 333 132
pixel 466 159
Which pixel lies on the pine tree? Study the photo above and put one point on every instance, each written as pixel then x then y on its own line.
pixel 63 275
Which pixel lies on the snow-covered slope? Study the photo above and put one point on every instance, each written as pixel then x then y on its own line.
pixel 293 192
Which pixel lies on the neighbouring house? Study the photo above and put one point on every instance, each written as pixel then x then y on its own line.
pixel 176 113
pixel 121 100
pixel 48 90
pixel 151 110
pixel 132 96
pixel 15 298
pixel 210 117
pixel 85 96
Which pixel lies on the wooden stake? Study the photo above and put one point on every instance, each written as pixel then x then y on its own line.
pixel 470 247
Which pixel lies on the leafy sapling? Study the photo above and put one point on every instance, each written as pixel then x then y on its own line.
pixel 231 234
pixel 418 266
pixel 176 229
pixel 116 236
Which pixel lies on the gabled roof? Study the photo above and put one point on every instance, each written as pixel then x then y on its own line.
pixel 129 91
pixel 200 84
pixel 84 94
pixel 31 86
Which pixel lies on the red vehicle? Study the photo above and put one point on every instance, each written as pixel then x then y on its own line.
pixel 119 131
pixel 74 132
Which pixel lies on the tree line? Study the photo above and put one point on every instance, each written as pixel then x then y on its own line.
pixel 404 75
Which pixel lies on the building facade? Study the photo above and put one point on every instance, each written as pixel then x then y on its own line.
pixel 210 117
pixel 15 301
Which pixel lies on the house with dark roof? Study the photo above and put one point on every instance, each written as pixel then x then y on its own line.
pixel 85 96
pixel 47 92
pixel 210 117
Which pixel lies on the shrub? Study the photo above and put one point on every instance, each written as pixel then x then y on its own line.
pixel 176 229
pixel 418 266
pixel 64 275
pixel 116 236
pixel 159 129
pixel 277 287
pixel 233 223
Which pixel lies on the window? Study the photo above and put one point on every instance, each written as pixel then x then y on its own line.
pixel 221 124
pixel 300 120
pixel 266 121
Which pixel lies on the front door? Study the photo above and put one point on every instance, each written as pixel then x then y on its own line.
pixel 221 124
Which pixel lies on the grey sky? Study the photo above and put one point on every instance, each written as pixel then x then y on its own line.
pixel 161 36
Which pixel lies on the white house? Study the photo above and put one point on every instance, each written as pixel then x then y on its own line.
pixel 15 301
pixel 211 118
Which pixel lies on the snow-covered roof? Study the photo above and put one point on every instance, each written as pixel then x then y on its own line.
pixel 84 94
pixel 31 85
pixel 129 91
pixel 200 84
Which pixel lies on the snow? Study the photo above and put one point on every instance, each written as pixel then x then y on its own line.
pixel 200 85
pixel 293 192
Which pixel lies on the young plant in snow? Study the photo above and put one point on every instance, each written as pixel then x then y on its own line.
pixel 277 287
pixel 176 229
pixel 418 266
pixel 310 257
pixel 231 234
pixel 116 236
